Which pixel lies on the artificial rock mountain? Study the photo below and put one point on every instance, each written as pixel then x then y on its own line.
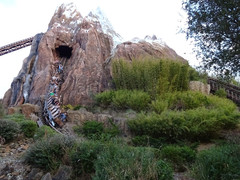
pixel 87 45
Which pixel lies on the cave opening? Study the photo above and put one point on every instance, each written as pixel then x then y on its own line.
pixel 64 51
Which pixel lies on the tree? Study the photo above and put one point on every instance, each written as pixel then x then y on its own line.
pixel 215 27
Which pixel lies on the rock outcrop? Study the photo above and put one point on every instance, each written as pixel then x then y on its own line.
pixel 144 48
pixel 87 44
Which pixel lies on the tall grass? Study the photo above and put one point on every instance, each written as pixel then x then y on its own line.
pixel 154 76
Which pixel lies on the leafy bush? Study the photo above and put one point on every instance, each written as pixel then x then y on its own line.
pixel 1 110
pixel 168 125
pixel 195 75
pixel 180 101
pixel 28 128
pixel 155 76
pixel 8 129
pixel 123 99
pixel 92 129
pixel 16 117
pixel 104 99
pixel 159 105
pixel 49 153
pixel 221 93
pixel 83 157
pixel 196 124
pixel 124 162
pixel 96 130
pixel 221 162
pixel 43 132
pixel 178 156
pixel 148 141
pixel 165 171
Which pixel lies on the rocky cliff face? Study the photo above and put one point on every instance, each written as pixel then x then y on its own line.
pixel 84 45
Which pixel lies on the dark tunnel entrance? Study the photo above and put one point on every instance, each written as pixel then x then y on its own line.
pixel 64 51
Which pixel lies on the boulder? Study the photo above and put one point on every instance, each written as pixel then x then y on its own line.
pixel 199 86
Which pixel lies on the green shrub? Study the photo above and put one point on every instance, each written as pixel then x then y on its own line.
pixel 124 162
pixel 16 117
pixel 195 75
pixel 67 107
pixel 104 99
pixel 83 157
pixel 159 106
pixel 225 105
pixel 221 162
pixel 28 128
pixel 92 129
pixel 49 153
pixel 155 76
pixel 179 156
pixel 196 124
pixel 1 111
pixel 123 99
pixel 43 132
pixel 8 129
pixel 148 141
pixel 168 125
pixel 221 93
pixel 180 101
pixel 165 172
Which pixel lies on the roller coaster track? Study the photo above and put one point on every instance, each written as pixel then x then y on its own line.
pixel 15 46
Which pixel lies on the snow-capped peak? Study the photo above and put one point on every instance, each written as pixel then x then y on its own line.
pixel 150 39
pixel 99 15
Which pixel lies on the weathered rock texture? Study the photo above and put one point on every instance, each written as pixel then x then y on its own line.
pixel 199 86
pixel 145 48
pixel 84 45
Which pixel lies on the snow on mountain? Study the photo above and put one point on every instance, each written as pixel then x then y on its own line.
pixel 98 15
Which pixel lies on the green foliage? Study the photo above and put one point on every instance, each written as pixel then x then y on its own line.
pixel 43 132
pixel 96 130
pixel 165 171
pixel 28 128
pixel 92 129
pixel 124 162
pixel 214 27
pixel 221 162
pixel 83 157
pixel 179 156
pixel 124 99
pixel 104 99
pixel 69 106
pixel 148 141
pixel 196 75
pixel 49 153
pixel 16 117
pixel 168 125
pixel 136 100
pixel 117 161
pixel 221 93
pixel 179 101
pixel 154 76
pixel 8 129
pixel 159 105
pixel 1 111
pixel 195 124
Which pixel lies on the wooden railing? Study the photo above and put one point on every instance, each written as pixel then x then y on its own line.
pixel 233 92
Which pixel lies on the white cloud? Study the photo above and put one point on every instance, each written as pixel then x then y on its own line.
pixel 130 18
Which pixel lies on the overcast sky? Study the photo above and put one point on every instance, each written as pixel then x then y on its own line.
pixel 21 19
